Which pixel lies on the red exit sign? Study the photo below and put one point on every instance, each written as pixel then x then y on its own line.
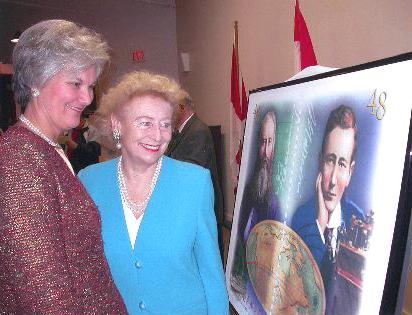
pixel 138 55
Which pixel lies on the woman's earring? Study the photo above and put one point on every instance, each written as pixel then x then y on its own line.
pixel 116 136
pixel 35 92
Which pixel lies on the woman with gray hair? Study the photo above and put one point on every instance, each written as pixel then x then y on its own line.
pixel 51 253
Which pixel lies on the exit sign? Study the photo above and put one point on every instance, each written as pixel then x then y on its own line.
pixel 138 55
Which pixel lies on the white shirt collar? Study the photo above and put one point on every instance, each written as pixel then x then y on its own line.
pixel 336 217
pixel 184 123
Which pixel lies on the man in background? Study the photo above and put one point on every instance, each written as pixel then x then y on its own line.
pixel 192 142
pixel 81 149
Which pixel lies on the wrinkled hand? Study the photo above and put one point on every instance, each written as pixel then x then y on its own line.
pixel 322 211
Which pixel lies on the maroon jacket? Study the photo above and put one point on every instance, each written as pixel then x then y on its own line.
pixel 51 253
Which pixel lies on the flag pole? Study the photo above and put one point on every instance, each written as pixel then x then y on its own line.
pixel 236 34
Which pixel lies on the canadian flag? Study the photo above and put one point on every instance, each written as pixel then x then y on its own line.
pixel 239 101
pixel 305 56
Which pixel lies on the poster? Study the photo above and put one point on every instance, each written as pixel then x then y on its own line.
pixel 319 186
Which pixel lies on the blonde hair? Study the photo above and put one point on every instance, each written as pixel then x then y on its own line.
pixel 133 84
pixel 139 83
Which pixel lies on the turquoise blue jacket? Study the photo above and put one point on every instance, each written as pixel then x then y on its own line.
pixel 175 267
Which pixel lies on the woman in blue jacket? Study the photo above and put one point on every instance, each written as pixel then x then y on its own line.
pixel 158 224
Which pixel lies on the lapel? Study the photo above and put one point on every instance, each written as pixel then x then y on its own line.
pixel 116 220
pixel 188 125
pixel 173 143
pixel 154 215
pixel 178 138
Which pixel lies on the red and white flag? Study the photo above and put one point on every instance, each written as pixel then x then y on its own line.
pixel 239 101
pixel 305 56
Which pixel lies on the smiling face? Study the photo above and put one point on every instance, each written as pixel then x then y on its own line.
pixel 145 127
pixel 63 98
pixel 337 165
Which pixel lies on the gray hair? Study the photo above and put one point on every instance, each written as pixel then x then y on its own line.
pixel 50 46
pixel 187 100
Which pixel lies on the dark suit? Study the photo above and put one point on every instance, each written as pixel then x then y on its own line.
pixel 195 145
pixel 304 224
pixel 86 153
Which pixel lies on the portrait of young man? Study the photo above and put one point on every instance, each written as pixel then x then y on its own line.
pixel 318 220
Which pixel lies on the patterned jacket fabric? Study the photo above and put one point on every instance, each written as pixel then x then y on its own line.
pixel 51 253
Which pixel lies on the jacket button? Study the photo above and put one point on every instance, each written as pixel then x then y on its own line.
pixel 139 264
pixel 142 306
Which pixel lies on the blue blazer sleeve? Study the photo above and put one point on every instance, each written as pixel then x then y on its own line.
pixel 207 255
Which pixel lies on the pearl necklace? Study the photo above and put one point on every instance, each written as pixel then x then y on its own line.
pixel 137 208
pixel 37 131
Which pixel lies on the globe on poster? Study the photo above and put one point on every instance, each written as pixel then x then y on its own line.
pixel 283 272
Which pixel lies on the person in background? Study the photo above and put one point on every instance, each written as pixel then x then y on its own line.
pixel 81 150
pixel 158 226
pixel 192 142
pixel 51 252
pixel 98 133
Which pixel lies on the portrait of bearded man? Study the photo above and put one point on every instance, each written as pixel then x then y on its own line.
pixel 259 201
